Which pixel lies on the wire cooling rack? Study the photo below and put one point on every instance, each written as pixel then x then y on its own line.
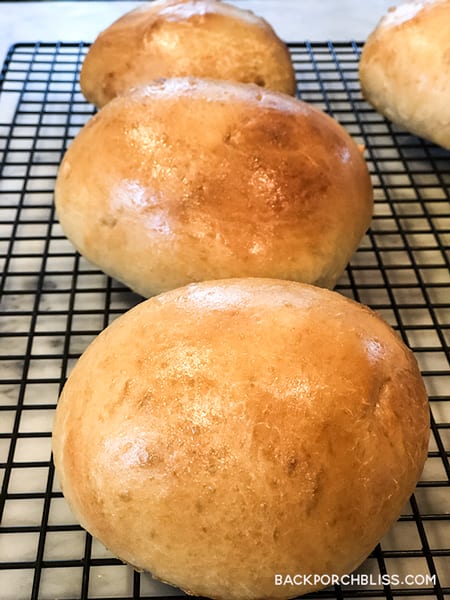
pixel 54 303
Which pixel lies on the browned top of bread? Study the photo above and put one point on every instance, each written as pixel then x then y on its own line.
pixel 405 68
pixel 177 38
pixel 188 180
pixel 227 431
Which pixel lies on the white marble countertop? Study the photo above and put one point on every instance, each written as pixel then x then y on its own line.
pixel 294 20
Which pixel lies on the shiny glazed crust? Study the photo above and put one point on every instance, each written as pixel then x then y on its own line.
pixel 405 68
pixel 187 180
pixel 176 38
pixel 227 431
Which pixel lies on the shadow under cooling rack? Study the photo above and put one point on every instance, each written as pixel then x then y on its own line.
pixel 53 303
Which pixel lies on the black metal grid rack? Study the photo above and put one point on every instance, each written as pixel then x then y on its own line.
pixel 53 303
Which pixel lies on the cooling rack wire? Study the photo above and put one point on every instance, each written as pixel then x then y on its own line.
pixel 53 303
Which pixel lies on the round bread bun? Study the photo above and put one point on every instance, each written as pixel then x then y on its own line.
pixel 179 38
pixel 188 180
pixel 225 432
pixel 405 68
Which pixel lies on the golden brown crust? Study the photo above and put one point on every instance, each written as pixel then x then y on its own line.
pixel 189 180
pixel 176 38
pixel 405 68
pixel 227 431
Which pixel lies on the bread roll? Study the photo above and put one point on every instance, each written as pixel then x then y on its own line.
pixel 188 180
pixel 223 433
pixel 178 38
pixel 405 68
